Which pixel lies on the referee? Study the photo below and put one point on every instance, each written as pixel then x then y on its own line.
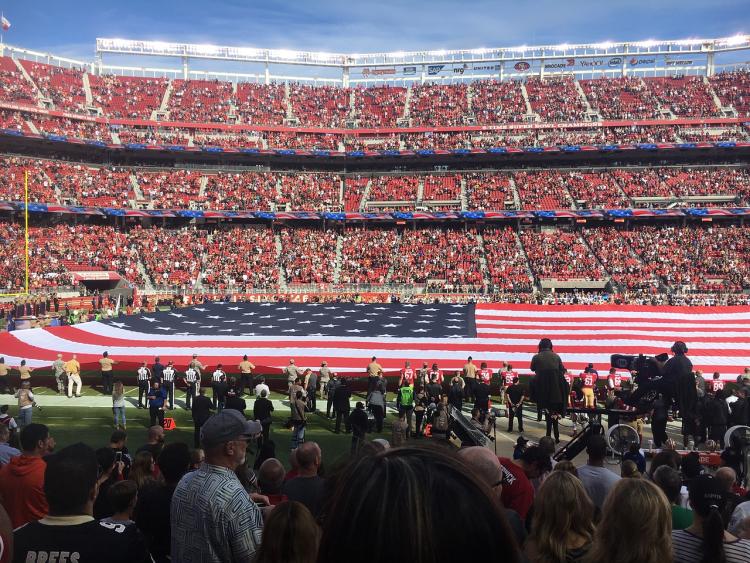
pixel 168 377
pixel 215 380
pixel 144 376
pixel 191 377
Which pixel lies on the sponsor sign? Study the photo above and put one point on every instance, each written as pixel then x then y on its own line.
pixel 377 71
pixel 460 69
pixel 615 61
pixel 592 62
pixel 678 62
pixel 636 61
pixel 432 70
pixel 522 65
pixel 410 70
pixel 486 67
pixel 562 64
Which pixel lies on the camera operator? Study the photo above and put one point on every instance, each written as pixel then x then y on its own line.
pixel 679 372
pixel 550 387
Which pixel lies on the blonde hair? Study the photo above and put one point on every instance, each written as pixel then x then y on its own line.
pixel 561 508
pixel 636 525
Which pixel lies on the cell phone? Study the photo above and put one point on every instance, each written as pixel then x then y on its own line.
pixel 118 456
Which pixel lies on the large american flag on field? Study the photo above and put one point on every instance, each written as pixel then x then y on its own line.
pixel 346 335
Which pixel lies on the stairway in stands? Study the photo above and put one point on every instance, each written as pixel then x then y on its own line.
pixel 337 264
pixel 87 90
pixel 282 272
pixel 529 111
pixel 483 261
pixel 522 252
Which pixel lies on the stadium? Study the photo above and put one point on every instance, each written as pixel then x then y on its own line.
pixel 348 211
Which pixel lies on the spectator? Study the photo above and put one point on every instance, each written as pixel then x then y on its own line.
pixel 7 452
pixel 706 541
pixel 299 420
pixel 635 525
pixel 341 404
pixel 290 535
pixel 400 431
pixel 487 466
pixel 536 464
pixel 634 454
pixel 562 527
pixel 358 422
pixel 271 480
pixel 118 405
pixel 110 472
pixel 117 443
pixel 22 479
pixel 307 487
pixel 567 466
pixel 234 401
pixel 144 469
pixel 6 536
pixel 597 479
pixel 629 470
pixel 262 412
pixel 370 486
pixel 26 404
pixel 70 487
pixel 201 412
pixel 213 518
pixel 155 442
pixel 261 386
pixel 153 505
pixel 669 480
pixel 122 497
pixel 376 402
pixel 518 492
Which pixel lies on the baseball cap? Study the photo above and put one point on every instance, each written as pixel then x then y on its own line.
pixel 521 441
pixel 705 494
pixel 228 425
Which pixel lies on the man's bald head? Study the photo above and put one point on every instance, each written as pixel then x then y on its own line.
pixel 726 476
pixel 271 476
pixel 308 455
pixel 484 463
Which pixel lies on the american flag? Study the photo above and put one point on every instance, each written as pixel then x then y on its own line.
pixel 347 335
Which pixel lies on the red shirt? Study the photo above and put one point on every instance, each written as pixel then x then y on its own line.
pixel 518 493
pixel 22 489
pixel 438 376
pixel 588 379
pixel 407 374
pixel 716 384
pixel 568 379
pixel 509 376
pixel 485 375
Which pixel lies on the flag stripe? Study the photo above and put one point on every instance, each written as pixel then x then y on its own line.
pixel 347 335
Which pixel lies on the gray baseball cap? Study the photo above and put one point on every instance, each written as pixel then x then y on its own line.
pixel 228 425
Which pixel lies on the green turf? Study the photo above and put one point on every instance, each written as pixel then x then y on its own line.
pixel 93 425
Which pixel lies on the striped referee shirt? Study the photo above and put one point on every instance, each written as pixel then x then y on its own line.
pixel 169 374
pixel 688 548
pixel 191 376
pixel 143 374
pixel 216 376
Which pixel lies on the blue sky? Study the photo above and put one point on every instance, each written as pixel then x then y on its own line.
pixel 70 28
